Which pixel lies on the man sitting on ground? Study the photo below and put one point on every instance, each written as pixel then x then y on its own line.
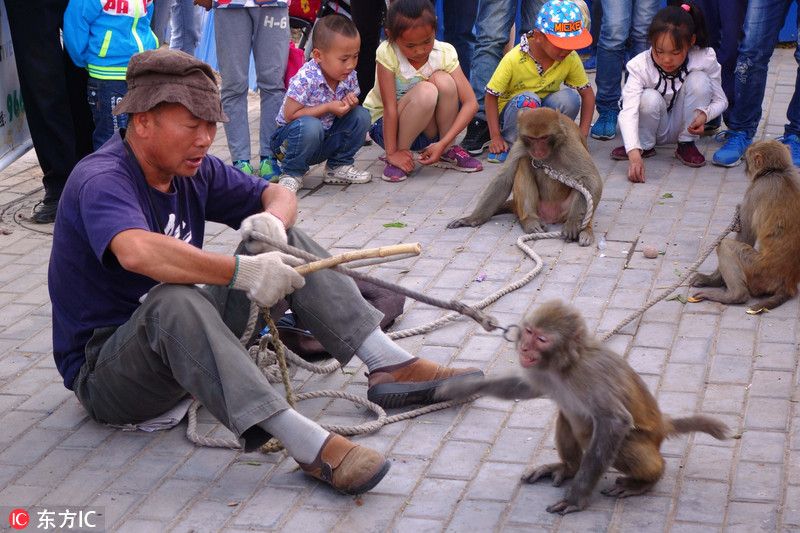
pixel 132 332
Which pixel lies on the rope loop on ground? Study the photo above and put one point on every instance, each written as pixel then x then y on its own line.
pixel 273 363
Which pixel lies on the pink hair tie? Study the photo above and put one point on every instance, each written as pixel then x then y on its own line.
pixel 686 7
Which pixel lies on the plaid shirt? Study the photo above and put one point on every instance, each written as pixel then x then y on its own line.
pixel 309 88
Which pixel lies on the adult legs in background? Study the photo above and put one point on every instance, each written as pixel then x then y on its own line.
pixel 493 25
pixel 762 25
pixel 459 21
pixel 186 20
pixel 270 52
pixel 160 21
pixel 368 18
pixel 621 19
pixel 54 95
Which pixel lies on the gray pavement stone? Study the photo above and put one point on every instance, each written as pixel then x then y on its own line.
pixel 458 469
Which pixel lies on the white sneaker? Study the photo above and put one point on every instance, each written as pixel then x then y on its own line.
pixel 292 183
pixel 345 175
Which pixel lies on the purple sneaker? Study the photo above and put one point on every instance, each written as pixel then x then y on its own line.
pixel 457 158
pixel 392 173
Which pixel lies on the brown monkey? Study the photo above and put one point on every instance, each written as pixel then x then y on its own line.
pixel 607 417
pixel 553 139
pixel 764 259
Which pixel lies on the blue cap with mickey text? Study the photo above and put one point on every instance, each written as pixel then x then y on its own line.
pixel 561 22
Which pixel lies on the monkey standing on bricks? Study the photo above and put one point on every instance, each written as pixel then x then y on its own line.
pixel 547 136
pixel 607 417
pixel 770 219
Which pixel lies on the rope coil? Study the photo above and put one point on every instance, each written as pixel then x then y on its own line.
pixel 273 363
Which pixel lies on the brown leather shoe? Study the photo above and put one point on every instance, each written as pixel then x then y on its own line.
pixel 620 154
pixel 347 467
pixel 413 382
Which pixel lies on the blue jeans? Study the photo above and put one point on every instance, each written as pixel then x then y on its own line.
pixel 725 19
pixel 178 22
pixel 185 26
pixel 568 101
pixel 761 28
pixel 459 20
pixel 304 142
pixel 493 25
pixel 103 96
pixel 621 19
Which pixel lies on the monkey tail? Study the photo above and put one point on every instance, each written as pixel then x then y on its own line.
pixel 689 424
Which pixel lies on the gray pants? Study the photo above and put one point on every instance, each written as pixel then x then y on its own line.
pixel 184 339
pixel 265 32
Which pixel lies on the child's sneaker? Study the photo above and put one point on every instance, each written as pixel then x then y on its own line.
pixel 688 154
pixel 497 158
pixel 457 158
pixel 292 183
pixel 244 166
pixel 345 175
pixel 269 169
pixel 392 173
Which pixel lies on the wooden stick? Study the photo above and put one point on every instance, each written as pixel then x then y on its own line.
pixel 384 251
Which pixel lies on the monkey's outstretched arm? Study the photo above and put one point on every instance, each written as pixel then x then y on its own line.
pixel 496 193
pixel 506 387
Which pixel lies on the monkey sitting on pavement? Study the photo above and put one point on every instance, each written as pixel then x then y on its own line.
pixel 607 417
pixel 765 257
pixel 549 137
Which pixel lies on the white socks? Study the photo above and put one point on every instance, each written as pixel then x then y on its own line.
pixel 301 437
pixel 378 351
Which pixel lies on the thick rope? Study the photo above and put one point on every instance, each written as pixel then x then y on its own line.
pixel 266 360
pixel 733 226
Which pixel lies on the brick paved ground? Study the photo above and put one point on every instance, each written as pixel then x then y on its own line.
pixel 458 469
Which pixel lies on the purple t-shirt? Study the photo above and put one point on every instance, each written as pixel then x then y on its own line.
pixel 105 195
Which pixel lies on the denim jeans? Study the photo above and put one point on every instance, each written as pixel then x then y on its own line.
pixel 185 26
pixel 103 96
pixel 761 28
pixel 459 21
pixel 237 32
pixel 567 100
pixel 304 142
pixel 159 21
pixel 725 19
pixel 185 339
pixel 621 19
pixel 493 25
pixel 178 22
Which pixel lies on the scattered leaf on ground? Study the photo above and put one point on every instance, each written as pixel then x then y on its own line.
pixel 678 297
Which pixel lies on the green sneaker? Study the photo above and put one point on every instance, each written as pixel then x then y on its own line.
pixel 269 169
pixel 244 166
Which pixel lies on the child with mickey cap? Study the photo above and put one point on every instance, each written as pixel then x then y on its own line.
pixel 532 74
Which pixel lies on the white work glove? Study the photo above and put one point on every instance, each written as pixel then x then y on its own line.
pixel 265 223
pixel 267 277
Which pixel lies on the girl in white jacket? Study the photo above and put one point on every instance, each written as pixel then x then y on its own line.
pixel 672 90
